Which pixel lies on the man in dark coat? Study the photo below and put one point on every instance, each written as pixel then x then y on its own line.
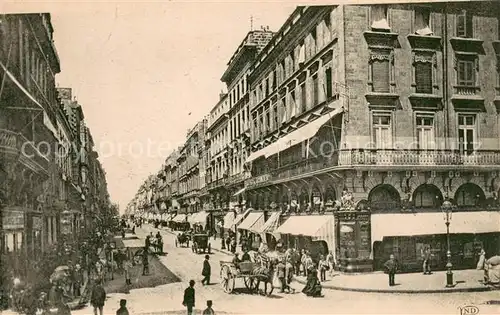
pixel 391 267
pixel 98 297
pixel 189 298
pixel 206 271
pixel 145 262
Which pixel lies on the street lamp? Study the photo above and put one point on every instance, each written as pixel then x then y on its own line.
pixel 447 208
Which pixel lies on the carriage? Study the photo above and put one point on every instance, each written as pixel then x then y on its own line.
pixel 201 243
pixel 182 240
pixel 248 271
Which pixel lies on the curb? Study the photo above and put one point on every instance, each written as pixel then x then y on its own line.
pixel 451 290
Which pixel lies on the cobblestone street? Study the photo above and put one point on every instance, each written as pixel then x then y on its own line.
pixel 181 261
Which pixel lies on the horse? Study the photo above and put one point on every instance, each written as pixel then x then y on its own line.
pixel 264 272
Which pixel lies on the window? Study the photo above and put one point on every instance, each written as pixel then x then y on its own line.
pixel 464 24
pixel 284 109
pixel 423 76
pixel 382 133
pixel 379 17
pixel 425 132
pixel 268 121
pixel 315 89
pixel 422 21
pixel 313 41
pixel 293 104
pixel 380 72
pixel 267 84
pixel 466 70
pixel 466 133
pixel 275 117
pixel 328 29
pixel 498 70
pixel 303 98
pixel 292 63
pixel 275 82
pixel 328 79
pixel 282 71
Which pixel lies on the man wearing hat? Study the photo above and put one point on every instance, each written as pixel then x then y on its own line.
pixel 207 270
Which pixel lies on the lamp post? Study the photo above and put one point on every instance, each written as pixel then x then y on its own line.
pixel 447 209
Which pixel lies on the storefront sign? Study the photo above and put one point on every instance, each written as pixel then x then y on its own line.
pixel 13 220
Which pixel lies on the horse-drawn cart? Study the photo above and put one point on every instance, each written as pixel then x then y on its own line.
pixel 182 239
pixel 251 272
pixel 201 243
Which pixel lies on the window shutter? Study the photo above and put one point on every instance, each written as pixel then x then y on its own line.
pixel 423 77
pixel 380 71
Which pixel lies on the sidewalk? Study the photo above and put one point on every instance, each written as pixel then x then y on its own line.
pixel 377 282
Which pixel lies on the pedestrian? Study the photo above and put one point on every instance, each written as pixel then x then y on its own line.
pixel 206 271
pixel 308 262
pixel 189 298
pixel 481 265
pixel 123 308
pixel 147 242
pixel 331 263
pixel 391 267
pixel 209 310
pixel 159 242
pixel 228 242
pixel 289 273
pixel 98 297
pixel 427 260
pixel 233 245
pixel 127 266
pixel 323 266
pixel 145 262
pixel 280 272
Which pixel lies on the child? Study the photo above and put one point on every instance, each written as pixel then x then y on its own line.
pixel 123 308
pixel 209 310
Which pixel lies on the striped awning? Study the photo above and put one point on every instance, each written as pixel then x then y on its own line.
pixel 199 218
pixel 179 218
pixel 271 224
pixel 240 217
pixel 253 221
pixel 228 220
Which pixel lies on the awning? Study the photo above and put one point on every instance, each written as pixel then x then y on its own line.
pixel 271 224
pixel 179 218
pixel 307 225
pixel 401 224
pixel 240 217
pixel 239 192
pixel 255 155
pixel 228 220
pixel 199 218
pixel 303 133
pixel 251 220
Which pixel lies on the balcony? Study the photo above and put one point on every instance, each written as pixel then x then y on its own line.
pixel 18 146
pixel 415 157
pixel 465 90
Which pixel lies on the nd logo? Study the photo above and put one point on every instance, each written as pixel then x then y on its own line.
pixel 469 310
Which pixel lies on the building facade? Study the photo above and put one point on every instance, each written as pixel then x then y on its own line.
pixel 365 115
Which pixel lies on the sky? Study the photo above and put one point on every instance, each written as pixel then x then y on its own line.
pixel 146 72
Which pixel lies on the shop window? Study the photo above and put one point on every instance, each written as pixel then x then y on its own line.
pixel 464 24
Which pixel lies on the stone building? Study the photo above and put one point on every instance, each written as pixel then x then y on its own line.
pixel 380 114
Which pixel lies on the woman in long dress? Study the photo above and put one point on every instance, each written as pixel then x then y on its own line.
pixel 313 285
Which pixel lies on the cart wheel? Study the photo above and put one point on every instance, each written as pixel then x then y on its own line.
pixel 209 248
pixel 250 283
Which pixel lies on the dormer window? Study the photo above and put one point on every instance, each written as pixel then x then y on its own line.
pixel 423 22
pixel 379 18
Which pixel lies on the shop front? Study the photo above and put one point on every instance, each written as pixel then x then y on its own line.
pixel 180 222
pixel 353 247
pixel 310 232
pixel 249 228
pixel 14 234
pixel 405 236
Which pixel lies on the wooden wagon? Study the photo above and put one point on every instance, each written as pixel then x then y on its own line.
pixel 201 243
pixel 229 273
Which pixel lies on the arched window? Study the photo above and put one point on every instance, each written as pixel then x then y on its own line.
pixel 304 197
pixel 317 197
pixel 384 197
pixel 469 195
pixel 330 194
pixel 427 196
